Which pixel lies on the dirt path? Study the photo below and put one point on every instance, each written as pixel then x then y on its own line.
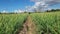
pixel 28 27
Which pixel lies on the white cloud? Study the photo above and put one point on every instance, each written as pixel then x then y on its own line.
pixel 43 4
pixel 49 8
pixel 50 2
pixel 38 6
pixel 35 0
pixel 18 11
pixel 4 11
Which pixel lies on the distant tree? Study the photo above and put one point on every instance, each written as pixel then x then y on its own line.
pixel 0 12
pixel 53 10
pixel 25 11
pixel 57 9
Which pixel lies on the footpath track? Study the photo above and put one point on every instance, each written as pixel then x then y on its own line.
pixel 28 27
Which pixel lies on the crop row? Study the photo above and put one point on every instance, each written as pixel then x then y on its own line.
pixel 46 23
pixel 11 23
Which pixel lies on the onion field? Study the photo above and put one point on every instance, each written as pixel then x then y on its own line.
pixel 11 23
pixel 46 23
pixel 41 23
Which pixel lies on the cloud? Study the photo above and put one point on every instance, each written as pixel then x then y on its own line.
pixel 35 0
pixel 38 6
pixel 49 2
pixel 29 8
pixel 42 4
pixel 4 11
pixel 14 11
pixel 18 11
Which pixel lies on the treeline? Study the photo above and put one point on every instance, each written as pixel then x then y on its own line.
pixel 53 10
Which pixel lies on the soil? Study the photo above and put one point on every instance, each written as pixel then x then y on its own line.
pixel 29 27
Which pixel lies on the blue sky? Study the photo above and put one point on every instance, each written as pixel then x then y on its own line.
pixel 11 5
pixel 56 6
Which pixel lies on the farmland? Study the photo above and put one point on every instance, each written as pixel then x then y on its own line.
pixel 44 23
pixel 11 23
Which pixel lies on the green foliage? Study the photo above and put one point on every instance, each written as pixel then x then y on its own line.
pixel 47 23
pixel 53 10
pixel 11 23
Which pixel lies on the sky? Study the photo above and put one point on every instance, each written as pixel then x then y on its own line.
pixel 28 5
